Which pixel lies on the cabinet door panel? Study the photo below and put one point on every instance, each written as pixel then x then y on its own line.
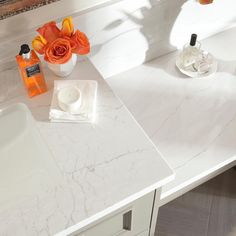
pixel 132 220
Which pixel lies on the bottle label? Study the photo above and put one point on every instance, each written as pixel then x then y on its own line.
pixel 32 70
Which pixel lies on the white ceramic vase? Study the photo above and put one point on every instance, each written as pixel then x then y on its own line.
pixel 65 69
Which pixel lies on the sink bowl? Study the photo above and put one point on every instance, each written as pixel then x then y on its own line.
pixel 27 167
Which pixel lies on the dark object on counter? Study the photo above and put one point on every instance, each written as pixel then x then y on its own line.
pixel 24 48
pixel 193 40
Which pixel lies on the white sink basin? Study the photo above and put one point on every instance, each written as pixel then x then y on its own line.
pixel 26 166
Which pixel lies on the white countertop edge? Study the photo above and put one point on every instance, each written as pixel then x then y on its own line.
pixel 229 163
pixel 115 207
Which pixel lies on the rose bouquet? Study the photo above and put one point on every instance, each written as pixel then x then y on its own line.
pixel 59 46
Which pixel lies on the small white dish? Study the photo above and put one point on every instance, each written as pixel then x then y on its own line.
pixel 193 72
pixel 88 97
pixel 69 99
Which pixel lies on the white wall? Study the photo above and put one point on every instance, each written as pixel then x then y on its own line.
pixel 203 19
pixel 129 32
pixel 26 21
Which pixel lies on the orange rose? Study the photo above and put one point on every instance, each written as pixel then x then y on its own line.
pixel 58 52
pixel 83 45
pixel 206 1
pixel 39 44
pixel 67 27
pixel 49 31
pixel 73 44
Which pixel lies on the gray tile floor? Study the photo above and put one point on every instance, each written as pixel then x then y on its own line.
pixel 208 210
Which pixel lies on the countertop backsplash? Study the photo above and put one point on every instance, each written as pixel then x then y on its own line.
pixel 127 33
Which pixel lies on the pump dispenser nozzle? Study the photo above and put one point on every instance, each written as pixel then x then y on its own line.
pixel 24 48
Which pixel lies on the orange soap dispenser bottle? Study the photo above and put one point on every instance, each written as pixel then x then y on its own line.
pixel 31 71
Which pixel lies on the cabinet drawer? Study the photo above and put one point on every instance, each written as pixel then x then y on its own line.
pixel 132 220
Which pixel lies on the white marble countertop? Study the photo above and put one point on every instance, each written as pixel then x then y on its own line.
pixel 191 121
pixel 105 165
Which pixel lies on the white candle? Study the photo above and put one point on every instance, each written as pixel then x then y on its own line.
pixel 69 99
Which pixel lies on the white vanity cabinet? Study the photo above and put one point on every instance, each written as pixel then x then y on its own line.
pixel 111 164
pixel 132 220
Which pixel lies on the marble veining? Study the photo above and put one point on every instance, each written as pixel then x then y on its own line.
pixel 191 121
pixel 105 165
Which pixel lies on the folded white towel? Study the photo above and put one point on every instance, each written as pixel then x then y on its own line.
pixel 87 110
